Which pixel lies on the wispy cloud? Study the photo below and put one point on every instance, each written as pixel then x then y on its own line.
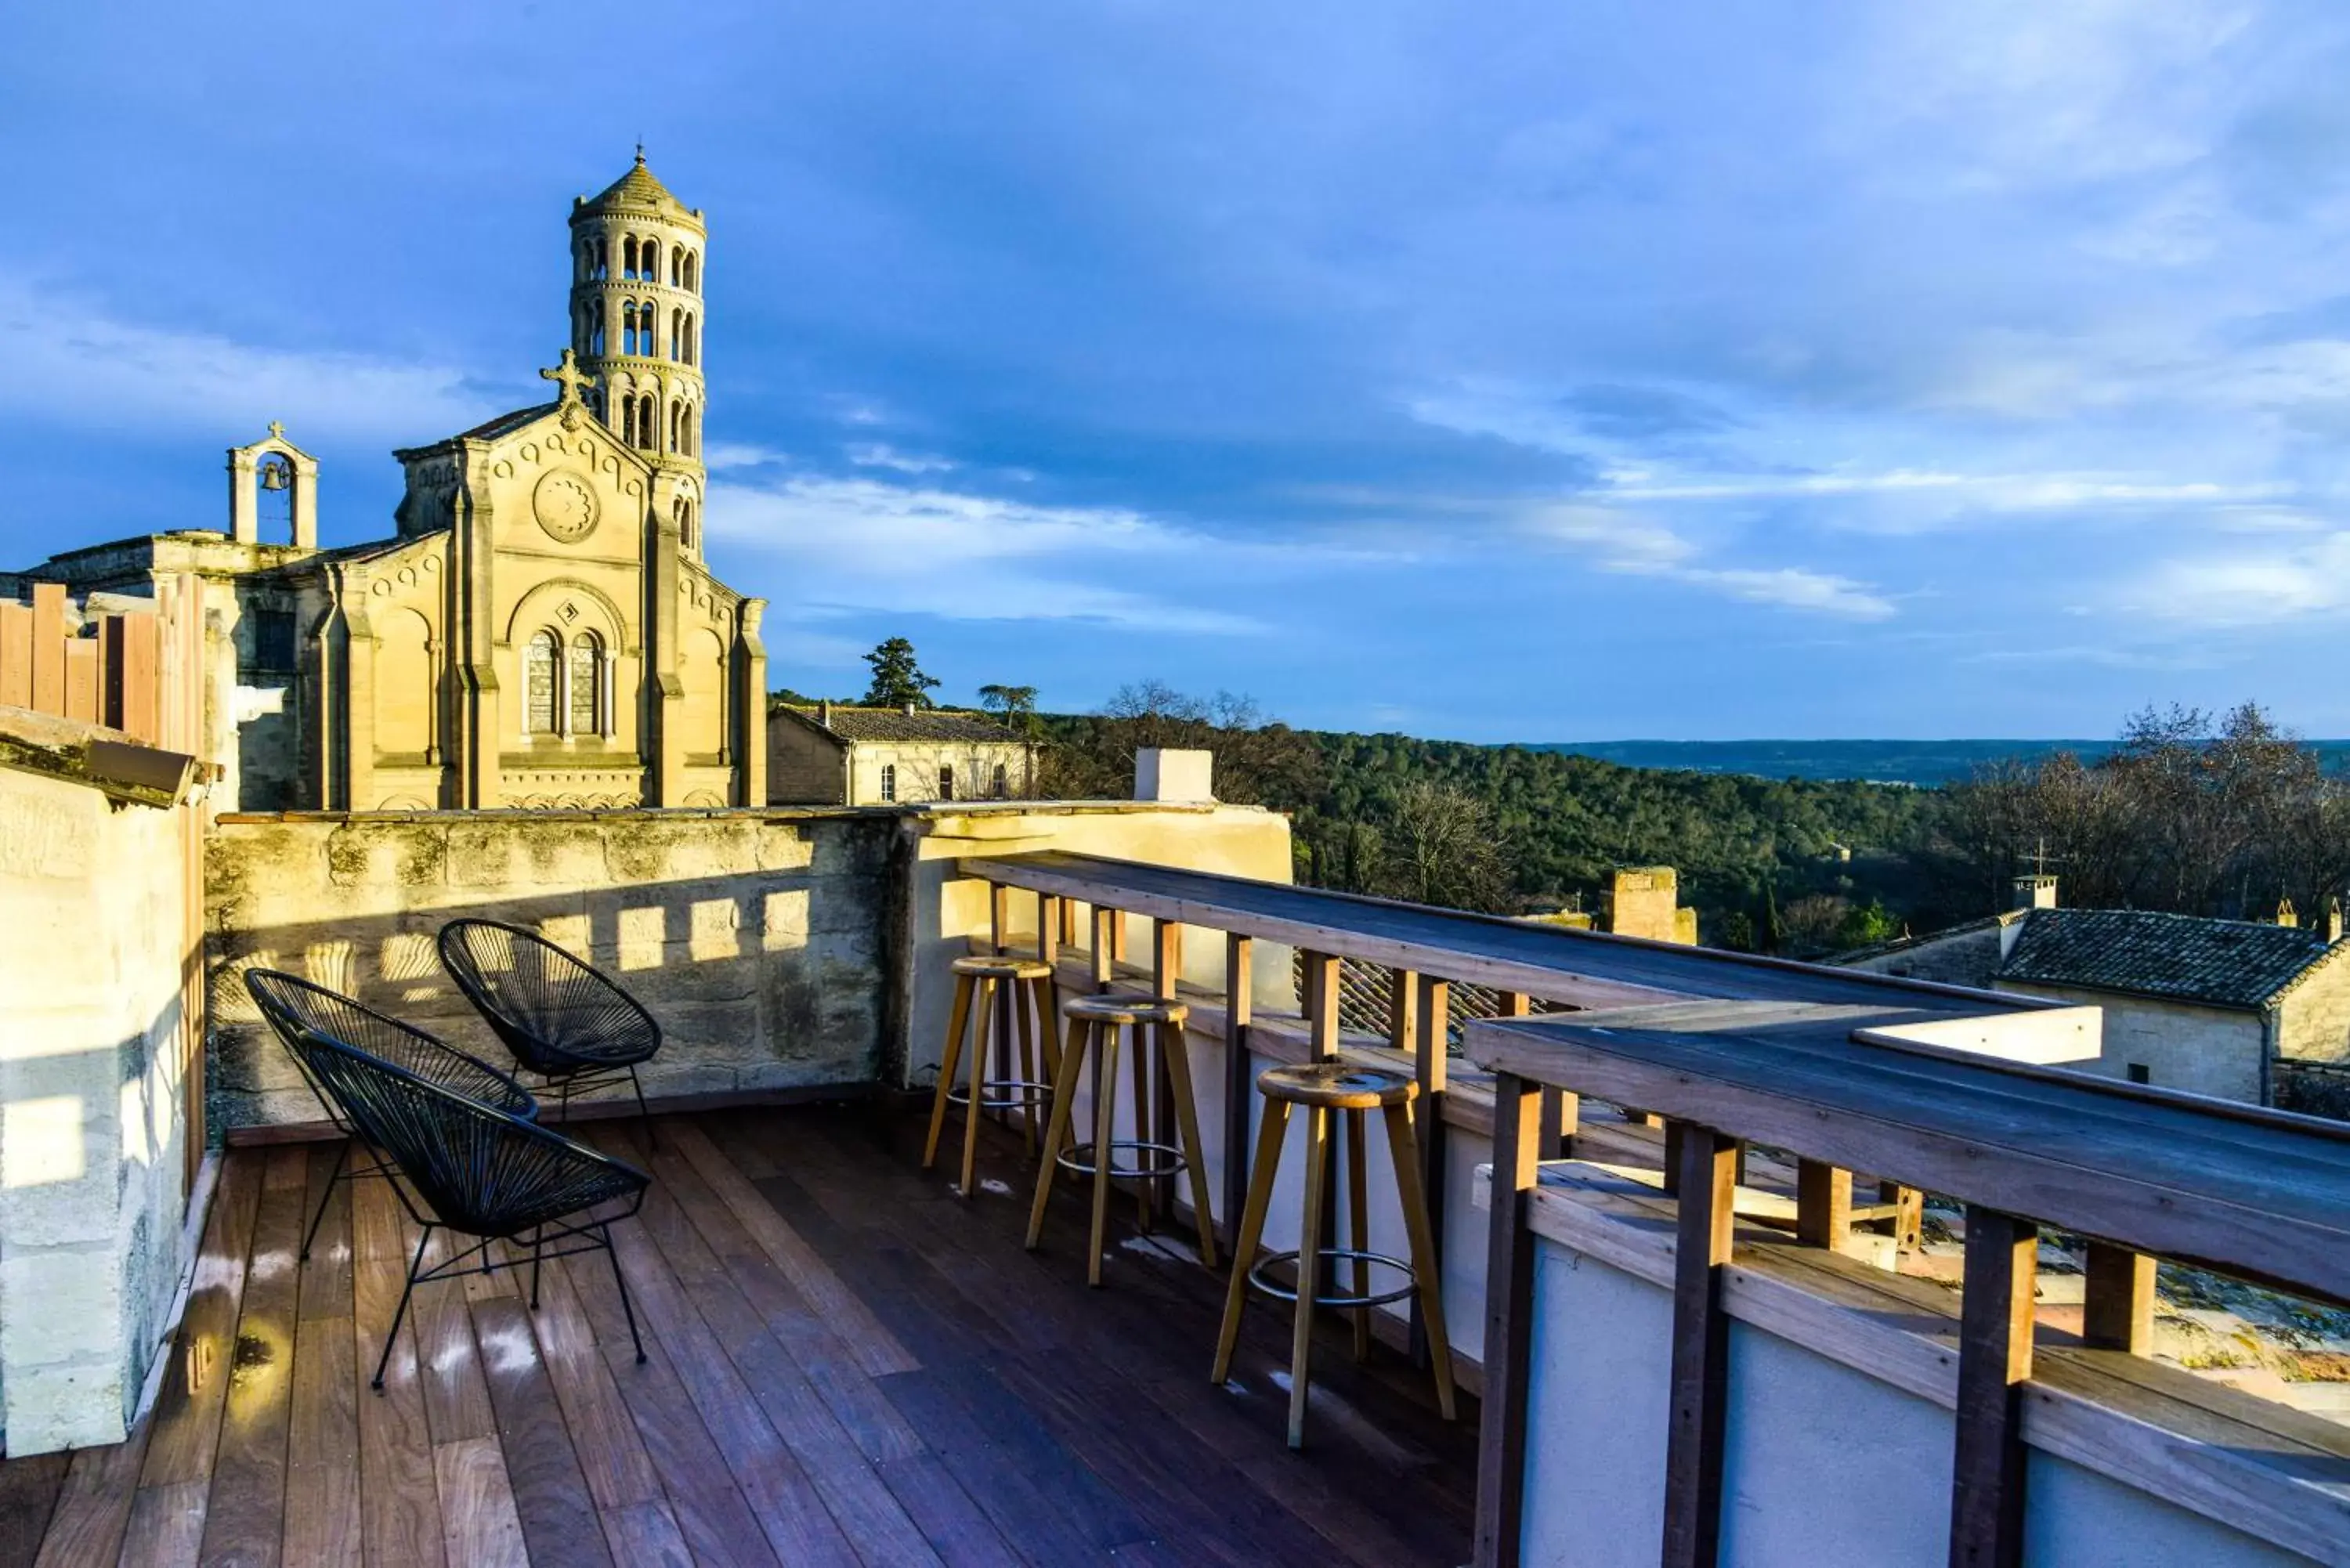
pixel 79 363
pixel 2245 586
pixel 1624 541
pixel 880 454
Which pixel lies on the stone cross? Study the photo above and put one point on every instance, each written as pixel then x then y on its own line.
pixel 276 431
pixel 570 377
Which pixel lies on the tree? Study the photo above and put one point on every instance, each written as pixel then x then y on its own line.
pixel 1440 846
pixel 1015 705
pixel 897 681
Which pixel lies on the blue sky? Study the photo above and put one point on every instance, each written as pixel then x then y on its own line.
pixel 1561 370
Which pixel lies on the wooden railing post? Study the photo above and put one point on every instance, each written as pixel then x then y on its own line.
pixel 1509 1323
pixel 1433 1017
pixel 2117 1300
pixel 1995 1361
pixel 1403 1009
pixel 1699 1395
pixel 1908 1221
pixel 1322 1005
pixel 1048 931
pixel 1239 1086
pixel 1823 1205
pixel 1106 921
pixel 1165 969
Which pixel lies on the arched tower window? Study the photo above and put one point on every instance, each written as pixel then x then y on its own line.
pixel 692 350
pixel 629 257
pixel 540 662
pixel 675 408
pixel 693 272
pixel 596 327
pixel 687 446
pixel 676 331
pixel 646 428
pixel 583 687
pixel 603 259
pixel 628 422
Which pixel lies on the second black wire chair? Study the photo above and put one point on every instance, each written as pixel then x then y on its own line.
pixel 293 1005
pixel 472 1168
pixel 559 1014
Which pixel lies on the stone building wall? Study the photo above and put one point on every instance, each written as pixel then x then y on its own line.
pixel 2204 1049
pixel 93 1149
pixel 755 937
pixel 804 768
pixel 919 763
pixel 2314 1017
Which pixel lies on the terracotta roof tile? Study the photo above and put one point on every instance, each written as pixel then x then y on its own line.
pixel 2224 963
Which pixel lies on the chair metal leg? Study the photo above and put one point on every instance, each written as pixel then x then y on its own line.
pixel 399 1313
pixel 537 1246
pixel 619 1280
pixel 342 1164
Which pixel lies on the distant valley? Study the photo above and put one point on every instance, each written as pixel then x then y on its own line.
pixel 1921 762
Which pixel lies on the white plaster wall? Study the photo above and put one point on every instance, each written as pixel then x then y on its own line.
pixel 2203 1050
pixel 92 1134
pixel 2075 1516
pixel 1600 1370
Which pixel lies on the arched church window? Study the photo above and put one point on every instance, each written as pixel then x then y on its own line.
pixel 628 420
pixel 693 272
pixel 674 408
pixel 584 690
pixel 692 350
pixel 540 662
pixel 646 428
pixel 596 327
pixel 687 446
pixel 676 331
pixel 629 257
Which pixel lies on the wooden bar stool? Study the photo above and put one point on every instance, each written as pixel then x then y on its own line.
pixel 1024 987
pixel 1322 1088
pixel 1095 1024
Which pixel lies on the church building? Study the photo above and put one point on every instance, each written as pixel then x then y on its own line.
pixel 541 630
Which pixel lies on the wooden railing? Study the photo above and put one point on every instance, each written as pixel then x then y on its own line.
pixel 1928 1088
pixel 110 671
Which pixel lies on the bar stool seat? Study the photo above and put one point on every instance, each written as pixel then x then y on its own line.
pixel 1324 1090
pixel 1021 1082
pixel 1095 1024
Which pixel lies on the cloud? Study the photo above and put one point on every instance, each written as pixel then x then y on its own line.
pixel 721 455
pixel 75 362
pixel 1796 587
pixel 880 454
pixel 2248 587
pixel 1629 542
pixel 863 544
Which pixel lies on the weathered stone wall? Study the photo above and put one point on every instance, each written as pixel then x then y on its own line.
pixel 93 1145
pixel 802 767
pixel 755 937
pixel 918 764
pixel 2313 1018
pixel 2204 1049
pixel 1969 956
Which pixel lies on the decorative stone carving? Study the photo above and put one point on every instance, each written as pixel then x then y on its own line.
pixel 565 505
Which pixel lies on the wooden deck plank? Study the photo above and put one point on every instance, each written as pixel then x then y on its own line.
pixel 646 1535
pixel 479 1525
pixel 456 1399
pixel 244 1515
pixel 322 1475
pixel 877 1351
pixel 956 1527
pixel 327 1272
pixel 93 1507
pixel 712 1511
pixel 558 1514
pixel 846 1390
pixel 400 1503
pixel 865 1509
pixel 611 1452
pixel 186 1420
pixel 28 1498
pixel 167 1526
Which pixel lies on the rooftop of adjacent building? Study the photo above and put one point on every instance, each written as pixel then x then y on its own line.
pixel 908 724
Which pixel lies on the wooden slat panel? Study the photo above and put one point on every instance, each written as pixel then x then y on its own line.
pixel 15 654
pixel 1509 1324
pixel 48 660
pixel 1995 1361
pixel 1698 1401
pixel 81 680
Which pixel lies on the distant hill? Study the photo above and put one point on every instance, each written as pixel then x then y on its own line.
pixel 1921 762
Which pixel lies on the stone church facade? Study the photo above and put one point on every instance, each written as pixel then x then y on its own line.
pixel 542 630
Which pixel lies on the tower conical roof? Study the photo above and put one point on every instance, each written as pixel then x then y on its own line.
pixel 637 191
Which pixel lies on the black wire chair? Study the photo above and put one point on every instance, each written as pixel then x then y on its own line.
pixel 294 1006
pixel 559 1016
pixel 472 1168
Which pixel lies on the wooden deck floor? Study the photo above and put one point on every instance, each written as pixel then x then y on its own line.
pixel 848 1364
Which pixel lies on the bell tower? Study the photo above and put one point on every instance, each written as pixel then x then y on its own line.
pixel 637 274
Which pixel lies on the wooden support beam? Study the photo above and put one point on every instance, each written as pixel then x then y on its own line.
pixel 1823 1205
pixel 1166 957
pixel 1403 1009
pixel 1433 1016
pixel 1995 1361
pixel 999 916
pixel 1698 1396
pixel 1909 1222
pixel 1118 937
pixel 1239 1086
pixel 1048 929
pixel 1322 1004
pixel 1106 921
pixel 1509 1326
pixel 2117 1305
pixel 1672 1158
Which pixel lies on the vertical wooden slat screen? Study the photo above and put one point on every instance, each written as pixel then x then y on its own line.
pixel 48 651
pixel 15 655
pixel 80 679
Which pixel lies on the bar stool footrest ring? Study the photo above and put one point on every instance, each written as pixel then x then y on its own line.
pixel 1078 1158
pixel 1004 1094
pixel 1259 1282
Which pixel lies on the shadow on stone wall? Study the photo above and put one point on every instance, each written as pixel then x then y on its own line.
pixel 767 963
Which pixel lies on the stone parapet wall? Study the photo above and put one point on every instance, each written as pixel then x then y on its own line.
pixel 756 939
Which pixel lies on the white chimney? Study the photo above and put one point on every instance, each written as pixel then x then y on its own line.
pixel 1164 773
pixel 824 712
pixel 2035 892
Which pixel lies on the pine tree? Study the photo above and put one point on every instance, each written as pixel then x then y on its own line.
pixel 898 680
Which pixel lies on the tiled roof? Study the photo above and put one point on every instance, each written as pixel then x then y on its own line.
pixel 896 724
pixel 637 188
pixel 2224 963
pixel 506 424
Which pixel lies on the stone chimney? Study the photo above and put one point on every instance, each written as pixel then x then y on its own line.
pixel 2035 892
pixel 1169 774
pixel 2286 915
pixel 2333 919
pixel 824 712
pixel 909 710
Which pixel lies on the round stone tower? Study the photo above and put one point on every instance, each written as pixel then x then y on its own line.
pixel 637 260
